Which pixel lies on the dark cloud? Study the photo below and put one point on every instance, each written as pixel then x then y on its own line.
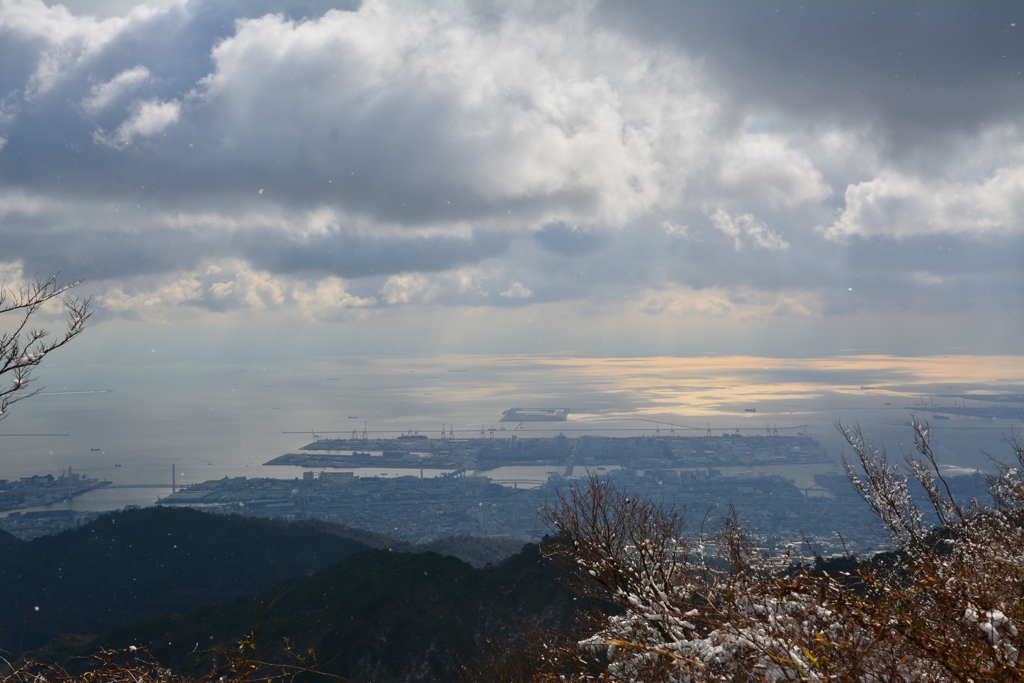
pixel 108 254
pixel 799 159
pixel 370 112
pixel 88 250
pixel 353 256
pixel 570 241
pixel 924 274
pixel 175 48
pixel 920 69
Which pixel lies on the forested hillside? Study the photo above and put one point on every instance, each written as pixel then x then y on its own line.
pixel 140 562
pixel 378 615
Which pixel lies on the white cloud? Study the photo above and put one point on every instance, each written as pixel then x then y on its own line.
pixel 103 94
pixel 13 277
pixel 742 303
pixel 707 302
pixel 12 273
pixel 433 115
pixel 407 288
pixel 845 152
pixel 150 303
pixel 557 116
pixel 924 278
pixel 466 286
pixel 224 287
pixel 766 165
pixel 149 117
pixel 899 206
pixel 735 227
pixel 15 202
pixel 9 108
pixel 329 300
pixel 680 231
pixel 517 290
pixel 244 288
pixel 64 40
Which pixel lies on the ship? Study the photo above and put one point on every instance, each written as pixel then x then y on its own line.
pixel 535 415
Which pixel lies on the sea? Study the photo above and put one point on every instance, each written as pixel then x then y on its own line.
pixel 129 424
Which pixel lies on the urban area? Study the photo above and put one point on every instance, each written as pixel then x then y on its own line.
pixel 676 471
pixel 42 490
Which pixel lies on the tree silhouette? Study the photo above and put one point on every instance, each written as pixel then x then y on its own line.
pixel 24 346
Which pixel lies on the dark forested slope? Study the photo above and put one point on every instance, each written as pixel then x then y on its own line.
pixel 378 615
pixel 139 562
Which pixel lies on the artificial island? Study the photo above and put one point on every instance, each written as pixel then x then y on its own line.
pixel 488 452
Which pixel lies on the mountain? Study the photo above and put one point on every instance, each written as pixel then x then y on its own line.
pixel 378 615
pixel 140 562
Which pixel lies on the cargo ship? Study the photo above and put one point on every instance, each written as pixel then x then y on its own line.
pixel 535 415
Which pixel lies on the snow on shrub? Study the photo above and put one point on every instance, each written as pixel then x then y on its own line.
pixel 944 606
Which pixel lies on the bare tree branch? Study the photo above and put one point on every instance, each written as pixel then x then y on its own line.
pixel 22 346
pixel 947 606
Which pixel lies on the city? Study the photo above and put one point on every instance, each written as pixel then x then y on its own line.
pixel 684 472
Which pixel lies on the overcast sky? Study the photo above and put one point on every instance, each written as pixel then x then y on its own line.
pixel 621 178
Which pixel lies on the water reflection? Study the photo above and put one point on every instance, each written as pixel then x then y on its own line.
pixel 213 421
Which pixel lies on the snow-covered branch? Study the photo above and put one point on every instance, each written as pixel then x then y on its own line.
pixel 946 606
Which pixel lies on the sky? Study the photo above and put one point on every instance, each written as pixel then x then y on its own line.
pixel 277 179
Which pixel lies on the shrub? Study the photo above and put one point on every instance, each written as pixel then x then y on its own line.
pixel 944 606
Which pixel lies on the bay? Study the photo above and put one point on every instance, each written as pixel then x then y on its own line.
pixel 129 424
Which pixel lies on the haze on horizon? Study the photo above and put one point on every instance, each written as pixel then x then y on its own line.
pixel 283 179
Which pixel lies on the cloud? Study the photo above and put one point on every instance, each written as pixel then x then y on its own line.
pixel 924 278
pixel 743 303
pixel 538 113
pixel 735 227
pixel 706 303
pixel 517 290
pixel 468 286
pixel 680 231
pixel 17 204
pixel 149 118
pixel 99 241
pixel 103 95
pixel 766 164
pixel 567 241
pixel 59 40
pixel 329 300
pixel 240 158
pixel 897 205
pixel 224 287
pixel 355 253
pixel 407 288
pixel 115 244
pixel 918 74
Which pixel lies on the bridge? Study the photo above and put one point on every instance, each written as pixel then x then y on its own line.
pixel 140 486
